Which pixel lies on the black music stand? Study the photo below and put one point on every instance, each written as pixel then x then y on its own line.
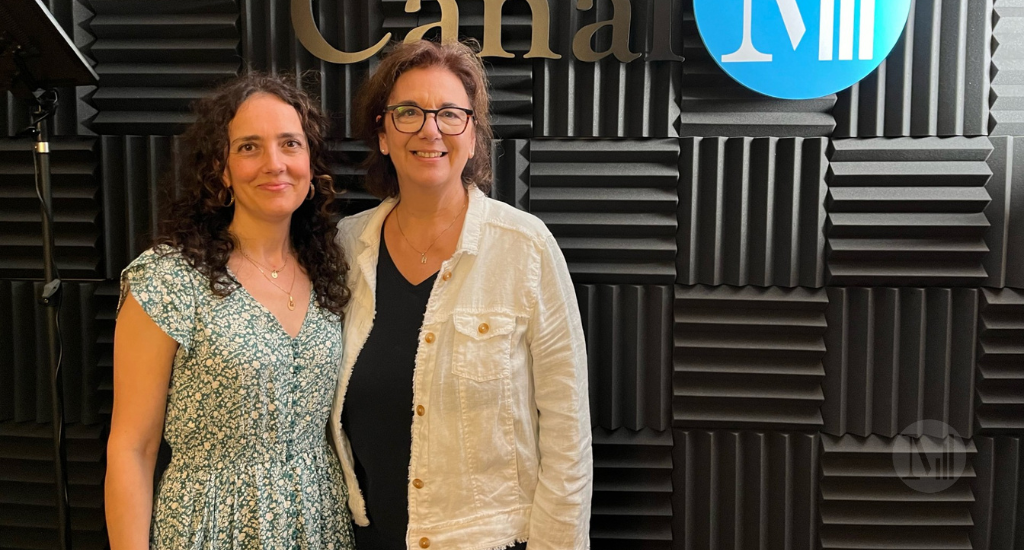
pixel 36 54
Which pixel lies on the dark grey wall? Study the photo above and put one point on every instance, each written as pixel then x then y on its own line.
pixel 772 290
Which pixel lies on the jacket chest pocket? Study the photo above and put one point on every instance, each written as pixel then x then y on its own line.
pixel 483 345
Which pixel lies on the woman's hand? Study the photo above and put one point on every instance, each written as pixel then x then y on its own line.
pixel 143 355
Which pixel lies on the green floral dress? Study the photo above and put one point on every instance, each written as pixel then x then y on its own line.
pixel 246 418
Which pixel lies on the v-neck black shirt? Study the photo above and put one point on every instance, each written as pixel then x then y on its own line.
pixel 378 405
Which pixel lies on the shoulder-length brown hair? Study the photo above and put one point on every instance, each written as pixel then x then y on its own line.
pixel 372 98
pixel 196 223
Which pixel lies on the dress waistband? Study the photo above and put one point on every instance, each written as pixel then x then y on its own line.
pixel 203 456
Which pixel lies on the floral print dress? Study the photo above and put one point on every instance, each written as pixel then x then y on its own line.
pixel 246 418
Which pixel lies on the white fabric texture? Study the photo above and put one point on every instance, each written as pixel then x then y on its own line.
pixel 503 449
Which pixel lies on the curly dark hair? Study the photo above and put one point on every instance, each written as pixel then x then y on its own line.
pixel 196 223
pixel 372 98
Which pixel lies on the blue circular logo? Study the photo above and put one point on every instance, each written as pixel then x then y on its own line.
pixel 800 49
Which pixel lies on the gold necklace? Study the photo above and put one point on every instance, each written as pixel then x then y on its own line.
pixel 291 300
pixel 423 255
pixel 273 272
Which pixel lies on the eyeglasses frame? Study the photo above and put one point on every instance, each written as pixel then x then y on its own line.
pixel 426 112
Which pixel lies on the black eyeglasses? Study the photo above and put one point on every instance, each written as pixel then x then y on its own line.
pixel 409 119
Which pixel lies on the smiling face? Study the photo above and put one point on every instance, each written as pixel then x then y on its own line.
pixel 428 158
pixel 268 165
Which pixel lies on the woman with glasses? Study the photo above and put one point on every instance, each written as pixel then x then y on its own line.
pixel 464 420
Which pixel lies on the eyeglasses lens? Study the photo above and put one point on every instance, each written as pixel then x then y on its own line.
pixel 410 119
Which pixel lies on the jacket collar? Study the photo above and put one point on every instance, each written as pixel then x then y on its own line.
pixel 468 241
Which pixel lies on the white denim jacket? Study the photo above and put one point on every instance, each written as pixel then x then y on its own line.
pixel 501 442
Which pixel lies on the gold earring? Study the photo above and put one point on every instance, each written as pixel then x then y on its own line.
pixel 312 190
pixel 230 201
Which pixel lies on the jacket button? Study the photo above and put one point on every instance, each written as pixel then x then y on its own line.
pixel 447 275
pixel 429 338
pixel 483 328
pixel 424 542
pixel 420 410
pixel 417 483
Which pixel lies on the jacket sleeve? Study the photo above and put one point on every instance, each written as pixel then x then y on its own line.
pixel 561 506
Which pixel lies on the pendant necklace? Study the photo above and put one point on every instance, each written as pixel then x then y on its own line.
pixel 291 299
pixel 273 272
pixel 423 254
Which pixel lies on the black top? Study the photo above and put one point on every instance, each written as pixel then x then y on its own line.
pixel 378 405
pixel 377 416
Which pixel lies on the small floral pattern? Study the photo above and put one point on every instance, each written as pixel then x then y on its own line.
pixel 246 418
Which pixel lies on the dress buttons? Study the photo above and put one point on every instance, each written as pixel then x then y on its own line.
pixel 447 275
pixel 417 483
pixel 420 410
pixel 429 338
pixel 483 328
pixel 424 542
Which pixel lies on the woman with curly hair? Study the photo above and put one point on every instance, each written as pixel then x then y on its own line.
pixel 228 340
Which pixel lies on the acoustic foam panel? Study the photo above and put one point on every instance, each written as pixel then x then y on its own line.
pixel 155 58
pixel 106 298
pixel 269 44
pixel 632 503
pixel 1007 97
pixel 935 82
pixel 139 176
pixel 897 356
pixel 865 504
pixel 629 349
pixel 24 354
pixel 907 212
pixel 748 357
pixel 1000 379
pixel 511 168
pixel 611 204
pixel 998 509
pixel 28 511
pixel 28 516
pixel 744 490
pixel 713 104
pixel 752 211
pixel 76 203
pixel 1004 262
pixel 606 98
pixel 344 160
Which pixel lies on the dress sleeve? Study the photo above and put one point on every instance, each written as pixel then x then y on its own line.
pixel 163 284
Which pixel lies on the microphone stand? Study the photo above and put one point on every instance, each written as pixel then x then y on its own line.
pixel 36 54
pixel 50 298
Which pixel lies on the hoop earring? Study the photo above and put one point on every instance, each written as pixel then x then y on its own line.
pixel 312 190
pixel 230 201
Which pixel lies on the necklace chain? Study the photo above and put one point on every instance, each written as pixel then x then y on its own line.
pixel 273 271
pixel 423 254
pixel 291 299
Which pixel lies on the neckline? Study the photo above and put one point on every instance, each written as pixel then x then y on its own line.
pixel 266 310
pixel 385 254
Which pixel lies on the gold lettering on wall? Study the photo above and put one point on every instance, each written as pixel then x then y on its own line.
pixel 309 35
pixel 449 22
pixel 621 14
pixel 540 30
